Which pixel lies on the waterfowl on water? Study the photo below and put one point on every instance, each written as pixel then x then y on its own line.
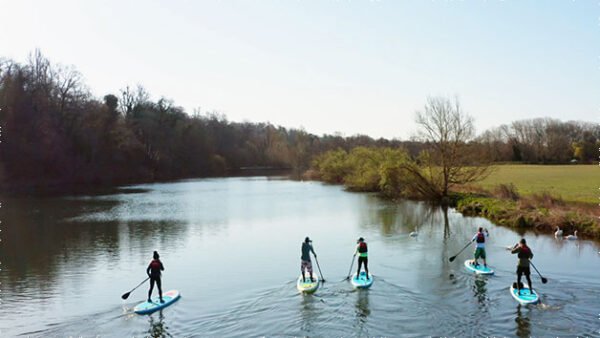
pixel 414 233
pixel 573 236
pixel 558 232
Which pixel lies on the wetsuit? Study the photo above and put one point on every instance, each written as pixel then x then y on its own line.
pixel 363 254
pixel 524 253
pixel 154 272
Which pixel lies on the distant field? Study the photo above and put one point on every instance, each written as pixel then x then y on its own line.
pixel 579 183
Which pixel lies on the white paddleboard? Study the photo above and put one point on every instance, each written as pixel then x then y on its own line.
pixel 479 268
pixel 361 282
pixel 307 286
pixel 146 307
pixel 525 296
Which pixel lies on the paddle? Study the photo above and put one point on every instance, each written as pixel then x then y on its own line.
pixel 322 279
pixel 351 265
pixel 461 250
pixel 544 279
pixel 126 295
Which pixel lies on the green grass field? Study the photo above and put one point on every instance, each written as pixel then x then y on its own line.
pixel 575 183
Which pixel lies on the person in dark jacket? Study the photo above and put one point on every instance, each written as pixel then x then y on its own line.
pixel 306 264
pixel 363 256
pixel 525 254
pixel 154 272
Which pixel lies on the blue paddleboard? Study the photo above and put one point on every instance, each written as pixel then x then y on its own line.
pixel 479 268
pixel 146 307
pixel 361 281
pixel 525 296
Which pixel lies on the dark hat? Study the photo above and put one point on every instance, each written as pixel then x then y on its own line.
pixel 360 240
pixel 523 241
pixel 307 239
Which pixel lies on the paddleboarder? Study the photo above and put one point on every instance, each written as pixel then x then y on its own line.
pixel 362 251
pixel 306 264
pixel 479 238
pixel 524 253
pixel 154 272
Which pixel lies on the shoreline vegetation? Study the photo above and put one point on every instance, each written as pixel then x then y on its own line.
pixel 495 197
pixel 58 138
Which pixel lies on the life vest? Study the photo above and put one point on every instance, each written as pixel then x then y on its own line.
pixel 480 237
pixel 155 265
pixel 525 252
pixel 362 247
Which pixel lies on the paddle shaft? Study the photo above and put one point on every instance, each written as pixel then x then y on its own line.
pixel 461 250
pixel 351 265
pixel 127 294
pixel 322 279
pixel 544 280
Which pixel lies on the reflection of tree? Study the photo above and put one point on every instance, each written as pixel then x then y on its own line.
pixel 446 222
pixel 523 328
pixel 362 311
pixel 397 217
pixel 480 290
pixel 42 236
pixel 158 328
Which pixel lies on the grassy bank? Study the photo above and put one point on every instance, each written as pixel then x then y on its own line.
pixel 539 197
pixel 572 183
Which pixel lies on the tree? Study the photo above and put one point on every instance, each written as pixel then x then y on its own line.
pixel 448 158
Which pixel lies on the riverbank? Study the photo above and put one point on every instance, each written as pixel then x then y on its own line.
pixel 527 197
pixel 540 212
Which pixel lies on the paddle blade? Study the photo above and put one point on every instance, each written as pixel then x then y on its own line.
pixel 544 280
pixel 125 295
pixel 452 258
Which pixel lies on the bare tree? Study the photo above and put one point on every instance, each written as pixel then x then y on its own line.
pixel 448 159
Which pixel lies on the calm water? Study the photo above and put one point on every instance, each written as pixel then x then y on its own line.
pixel 232 248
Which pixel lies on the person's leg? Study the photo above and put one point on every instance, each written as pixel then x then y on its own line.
pixel 360 261
pixel 310 271
pixel 159 286
pixel 519 273
pixel 367 266
pixel 483 257
pixel 528 276
pixel 150 291
pixel 475 256
pixel 302 266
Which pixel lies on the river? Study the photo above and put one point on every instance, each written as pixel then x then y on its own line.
pixel 231 246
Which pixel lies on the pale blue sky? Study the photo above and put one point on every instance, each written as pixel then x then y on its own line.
pixel 347 66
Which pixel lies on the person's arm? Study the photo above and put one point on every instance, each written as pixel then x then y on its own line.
pixel 487 233
pixel 515 250
pixel 474 238
pixel 531 255
pixel 162 268
pixel 148 270
pixel 313 251
pixel 356 249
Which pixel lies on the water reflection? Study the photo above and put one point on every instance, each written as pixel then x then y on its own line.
pixel 393 218
pixel 480 290
pixel 362 312
pixel 158 328
pixel 523 328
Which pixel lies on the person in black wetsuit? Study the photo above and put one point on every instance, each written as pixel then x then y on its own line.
pixel 154 272
pixel 363 256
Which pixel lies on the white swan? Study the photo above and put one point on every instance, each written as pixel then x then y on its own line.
pixel 573 236
pixel 558 232
pixel 414 233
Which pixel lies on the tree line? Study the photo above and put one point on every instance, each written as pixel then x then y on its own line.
pixel 56 134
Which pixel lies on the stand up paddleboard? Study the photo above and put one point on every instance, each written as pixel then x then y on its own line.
pixel 146 307
pixel 479 268
pixel 361 281
pixel 306 286
pixel 525 296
